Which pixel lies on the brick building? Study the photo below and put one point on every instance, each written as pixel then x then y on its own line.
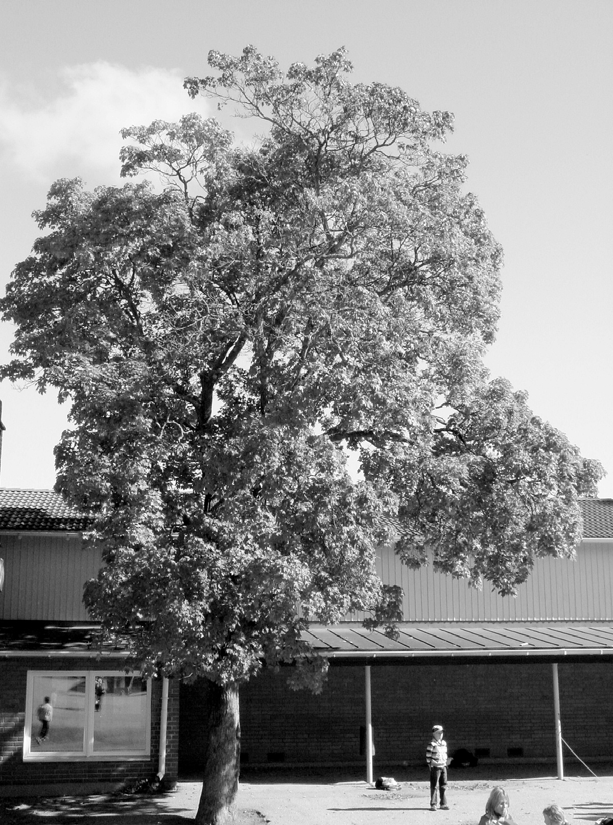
pixel 509 678
pixel 107 724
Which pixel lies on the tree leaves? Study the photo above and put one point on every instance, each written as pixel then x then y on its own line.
pixel 226 342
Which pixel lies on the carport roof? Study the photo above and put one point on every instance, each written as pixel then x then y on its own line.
pixel 352 643
pixel 467 640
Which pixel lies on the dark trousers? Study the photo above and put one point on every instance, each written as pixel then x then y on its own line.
pixel 438 781
pixel 44 729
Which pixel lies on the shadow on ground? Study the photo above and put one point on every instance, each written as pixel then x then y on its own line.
pixel 111 809
pixel 116 810
pixel 593 811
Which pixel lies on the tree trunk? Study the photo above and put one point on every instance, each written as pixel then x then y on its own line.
pixel 221 727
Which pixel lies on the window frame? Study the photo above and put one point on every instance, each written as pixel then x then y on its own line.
pixel 87 754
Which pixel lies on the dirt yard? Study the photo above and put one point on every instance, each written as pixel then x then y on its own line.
pixel 328 798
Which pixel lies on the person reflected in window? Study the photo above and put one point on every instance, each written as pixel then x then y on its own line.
pixel 45 715
pixel 99 690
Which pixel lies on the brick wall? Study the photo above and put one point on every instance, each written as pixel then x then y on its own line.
pixel 505 710
pixel 14 771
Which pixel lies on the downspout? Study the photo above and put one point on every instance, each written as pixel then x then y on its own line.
pixel 163 729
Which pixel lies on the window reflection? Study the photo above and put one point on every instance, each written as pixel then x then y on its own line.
pixel 65 726
pixel 80 715
pixel 120 713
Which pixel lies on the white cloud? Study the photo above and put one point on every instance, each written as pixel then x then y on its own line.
pixel 77 132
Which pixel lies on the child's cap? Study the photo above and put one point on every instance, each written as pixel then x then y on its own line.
pixel 437 727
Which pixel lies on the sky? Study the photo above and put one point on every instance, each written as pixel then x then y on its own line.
pixel 530 83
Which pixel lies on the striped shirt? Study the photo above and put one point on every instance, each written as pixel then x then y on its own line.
pixel 436 754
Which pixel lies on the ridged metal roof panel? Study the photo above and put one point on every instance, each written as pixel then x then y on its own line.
pixel 421 641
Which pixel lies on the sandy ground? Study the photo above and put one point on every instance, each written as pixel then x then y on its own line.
pixel 353 802
pixel 331 799
pixel 283 799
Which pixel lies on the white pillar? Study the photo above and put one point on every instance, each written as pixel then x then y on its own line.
pixel 163 728
pixel 369 771
pixel 558 722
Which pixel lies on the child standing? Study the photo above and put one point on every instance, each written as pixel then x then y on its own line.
pixel 436 757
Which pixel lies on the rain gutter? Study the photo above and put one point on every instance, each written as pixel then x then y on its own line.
pixel 462 654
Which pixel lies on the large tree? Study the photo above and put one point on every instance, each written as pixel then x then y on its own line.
pixel 274 364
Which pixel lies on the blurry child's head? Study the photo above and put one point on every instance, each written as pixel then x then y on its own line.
pixel 554 815
pixel 498 804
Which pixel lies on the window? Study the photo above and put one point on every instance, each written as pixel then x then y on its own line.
pixel 94 714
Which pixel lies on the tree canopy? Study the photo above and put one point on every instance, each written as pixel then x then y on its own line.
pixel 274 365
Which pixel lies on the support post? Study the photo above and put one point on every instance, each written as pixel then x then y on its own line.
pixel 369 749
pixel 558 722
pixel 163 729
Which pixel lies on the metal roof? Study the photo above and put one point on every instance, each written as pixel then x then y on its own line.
pixel 351 641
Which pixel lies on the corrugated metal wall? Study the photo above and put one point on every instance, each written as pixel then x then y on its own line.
pixel 558 589
pixel 44 577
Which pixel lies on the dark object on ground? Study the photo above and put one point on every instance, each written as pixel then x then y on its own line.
pixel 607 820
pixel 463 758
pixel 386 783
pixel 152 785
